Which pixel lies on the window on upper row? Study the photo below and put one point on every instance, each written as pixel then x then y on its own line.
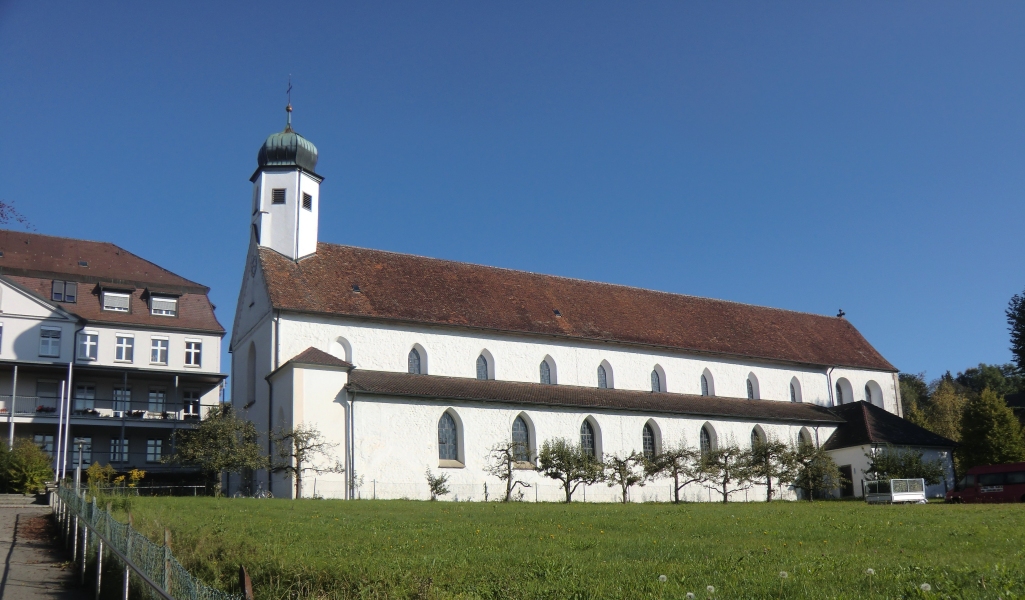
pixel 158 351
pixel 190 409
pixel 116 301
pixel 750 390
pixel 307 201
pixel 587 439
pixel 154 450
pixel 157 400
pixel 193 353
pixel 64 291
pixel 122 398
pixel 49 342
pixel 546 372
pixel 88 343
pixel 87 450
pixel 414 362
pixel 85 396
pixel 521 439
pixel 753 393
pixel 704 385
pixel 167 307
pixel 119 450
pixel 648 441
pixel 793 393
pixel 482 367
pixel 277 196
pixel 656 382
pixel 448 438
pixel 124 348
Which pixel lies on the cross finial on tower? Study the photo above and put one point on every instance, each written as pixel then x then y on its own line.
pixel 288 107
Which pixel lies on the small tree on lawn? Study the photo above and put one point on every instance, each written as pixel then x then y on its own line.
pixel 814 471
pixel 303 449
pixel 771 459
pixel 680 463
pixel 624 472
pixel 502 460
pixel 221 442
pixel 438 484
pixel 902 463
pixel 727 467
pixel 569 463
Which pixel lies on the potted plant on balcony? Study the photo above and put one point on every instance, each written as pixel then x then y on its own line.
pixel 136 413
pixel 46 409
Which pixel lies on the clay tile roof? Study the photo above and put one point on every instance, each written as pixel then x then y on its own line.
pixel 415 289
pixel 868 424
pixel 313 356
pixel 460 388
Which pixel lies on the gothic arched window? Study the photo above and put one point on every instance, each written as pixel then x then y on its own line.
pixel 521 439
pixel 482 367
pixel 756 437
pixel 793 393
pixel 656 381
pixel 587 438
pixel 750 390
pixel 704 385
pixel 839 393
pixel 546 372
pixel 603 381
pixel 706 441
pixel 868 394
pixel 448 438
pixel 414 362
pixel 648 441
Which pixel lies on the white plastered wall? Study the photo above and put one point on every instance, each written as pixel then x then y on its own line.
pixel 856 457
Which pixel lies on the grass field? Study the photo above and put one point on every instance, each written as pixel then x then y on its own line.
pixel 407 549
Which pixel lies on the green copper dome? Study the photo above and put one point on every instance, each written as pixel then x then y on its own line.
pixel 288 149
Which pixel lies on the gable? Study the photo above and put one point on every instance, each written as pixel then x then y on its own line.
pixel 16 300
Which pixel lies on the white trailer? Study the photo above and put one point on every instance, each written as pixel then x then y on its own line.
pixel 894 491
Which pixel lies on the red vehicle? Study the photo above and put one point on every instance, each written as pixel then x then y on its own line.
pixel 992 483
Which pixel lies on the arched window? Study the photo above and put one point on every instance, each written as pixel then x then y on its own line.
pixel 804 438
pixel 706 441
pixel 757 437
pixel 521 439
pixel 874 394
pixel 868 394
pixel 704 386
pixel 603 381
pixel 587 437
pixel 793 393
pixel 839 393
pixel 648 441
pixel 750 390
pixel 482 367
pixel 656 381
pixel 414 362
pixel 546 372
pixel 448 439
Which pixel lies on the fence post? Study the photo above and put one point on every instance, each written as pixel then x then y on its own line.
pixel 128 555
pixel 244 584
pixel 85 546
pixel 74 540
pixel 99 565
pixel 167 560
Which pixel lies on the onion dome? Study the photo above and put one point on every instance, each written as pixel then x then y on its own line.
pixel 288 149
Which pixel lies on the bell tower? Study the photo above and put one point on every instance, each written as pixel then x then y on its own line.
pixel 286 194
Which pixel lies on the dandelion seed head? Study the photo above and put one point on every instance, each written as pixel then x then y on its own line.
pixel 689 596
pixel 925 587
pixel 870 571
pixel 663 578
pixel 711 589
pixel 783 575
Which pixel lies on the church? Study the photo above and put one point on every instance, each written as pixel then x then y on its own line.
pixel 411 365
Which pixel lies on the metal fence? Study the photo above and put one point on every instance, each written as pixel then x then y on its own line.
pixel 86 528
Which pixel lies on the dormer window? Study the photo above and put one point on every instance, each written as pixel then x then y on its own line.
pixel 64 291
pixel 307 202
pixel 116 301
pixel 167 307
pixel 277 196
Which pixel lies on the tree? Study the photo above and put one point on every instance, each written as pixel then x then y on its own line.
pixel 301 449
pixel 903 463
pixel 990 433
pixel 914 396
pixel 220 443
pixel 502 464
pixel 624 472
pixel 24 468
pixel 438 484
pixel 814 472
pixel 680 463
pixel 946 407
pixel 725 467
pixel 569 463
pixel 8 213
pixel 771 459
pixel 1016 325
pixel 1002 379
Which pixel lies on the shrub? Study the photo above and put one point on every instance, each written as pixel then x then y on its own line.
pixel 25 468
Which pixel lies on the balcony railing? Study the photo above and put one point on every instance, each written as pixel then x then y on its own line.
pixel 41 406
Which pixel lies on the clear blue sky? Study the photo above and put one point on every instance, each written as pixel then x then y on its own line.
pixel 809 156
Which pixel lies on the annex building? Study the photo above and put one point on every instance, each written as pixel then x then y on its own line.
pixel 121 350
pixel 412 364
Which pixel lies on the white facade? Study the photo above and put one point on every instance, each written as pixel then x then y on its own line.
pixel 857 459
pixel 286 223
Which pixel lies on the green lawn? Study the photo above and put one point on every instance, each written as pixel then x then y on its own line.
pixel 407 549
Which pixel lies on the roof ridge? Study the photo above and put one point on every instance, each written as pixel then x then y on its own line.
pixel 576 279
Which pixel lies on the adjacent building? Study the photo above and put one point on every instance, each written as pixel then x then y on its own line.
pixel 411 364
pixel 131 349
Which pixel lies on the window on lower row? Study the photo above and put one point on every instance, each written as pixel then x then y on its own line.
pixel 88 343
pixel 119 451
pixel 158 351
pixel 154 450
pixel 50 342
pixel 87 451
pixel 124 350
pixel 193 354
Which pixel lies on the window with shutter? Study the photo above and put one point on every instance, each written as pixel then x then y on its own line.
pixel 115 302
pixel 307 202
pixel 277 196
pixel 167 307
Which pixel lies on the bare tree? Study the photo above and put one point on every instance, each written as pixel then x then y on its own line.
pixel 502 463
pixel 624 472
pixel 301 449
pixel 8 213
pixel 680 463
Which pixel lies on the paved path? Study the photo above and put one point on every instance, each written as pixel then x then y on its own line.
pixel 32 563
